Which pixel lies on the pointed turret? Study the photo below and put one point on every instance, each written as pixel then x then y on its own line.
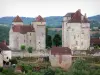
pixel 39 19
pixel 17 21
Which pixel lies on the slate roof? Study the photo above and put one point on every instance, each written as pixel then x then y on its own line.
pixel 95 41
pixel 77 17
pixel 23 28
pixel 60 50
pixel 3 46
pixel 17 19
pixel 39 19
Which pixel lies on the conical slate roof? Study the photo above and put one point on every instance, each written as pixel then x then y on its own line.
pixel 39 19
pixel 17 19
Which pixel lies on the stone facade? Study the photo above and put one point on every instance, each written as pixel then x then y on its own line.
pixel 76 31
pixel 29 35
pixel 60 57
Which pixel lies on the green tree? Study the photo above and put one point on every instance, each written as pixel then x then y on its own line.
pixel 79 67
pixel 49 72
pixel 23 47
pixel 30 49
pixel 57 40
pixel 48 41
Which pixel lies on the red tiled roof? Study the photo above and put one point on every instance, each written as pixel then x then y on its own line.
pixel 39 19
pixel 95 41
pixel 77 18
pixel 3 46
pixel 61 50
pixel 23 28
pixel 17 19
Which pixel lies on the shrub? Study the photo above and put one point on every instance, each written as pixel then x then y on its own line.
pixel 1 69
pixel 49 72
pixel 13 61
pixel 46 59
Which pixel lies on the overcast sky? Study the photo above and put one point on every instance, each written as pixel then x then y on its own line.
pixel 33 8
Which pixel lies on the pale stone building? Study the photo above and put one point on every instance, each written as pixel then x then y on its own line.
pixel 76 31
pixel 60 57
pixel 5 53
pixel 32 35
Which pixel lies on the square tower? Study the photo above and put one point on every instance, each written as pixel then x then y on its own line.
pixel 76 31
pixel 40 29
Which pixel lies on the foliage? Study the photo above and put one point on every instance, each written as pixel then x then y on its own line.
pixel 4 33
pixel 13 61
pixel 97 47
pixel 46 59
pixel 49 72
pixel 57 40
pixel 30 49
pixel 48 41
pixel 1 68
pixel 22 47
pixel 79 67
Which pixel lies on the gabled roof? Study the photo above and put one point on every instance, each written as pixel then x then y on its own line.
pixel 39 19
pixel 17 19
pixel 77 17
pixel 3 46
pixel 23 28
pixel 60 50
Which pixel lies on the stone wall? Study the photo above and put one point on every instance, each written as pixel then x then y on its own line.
pixel 27 54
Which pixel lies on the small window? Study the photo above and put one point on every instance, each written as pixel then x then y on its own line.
pixel 78 35
pixel 24 41
pixel 7 57
pixel 76 42
pixel 81 43
pixel 30 34
pixel 74 37
pixel 42 34
pixel 30 41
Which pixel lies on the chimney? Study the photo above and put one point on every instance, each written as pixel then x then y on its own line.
pixel 79 10
pixel 4 42
pixel 85 15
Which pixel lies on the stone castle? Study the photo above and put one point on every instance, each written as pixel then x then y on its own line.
pixel 75 32
pixel 32 35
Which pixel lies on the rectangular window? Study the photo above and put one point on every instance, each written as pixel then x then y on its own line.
pixel 24 41
pixel 30 34
pixel 81 43
pixel 74 37
pixel 30 41
pixel 78 35
pixel 76 42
